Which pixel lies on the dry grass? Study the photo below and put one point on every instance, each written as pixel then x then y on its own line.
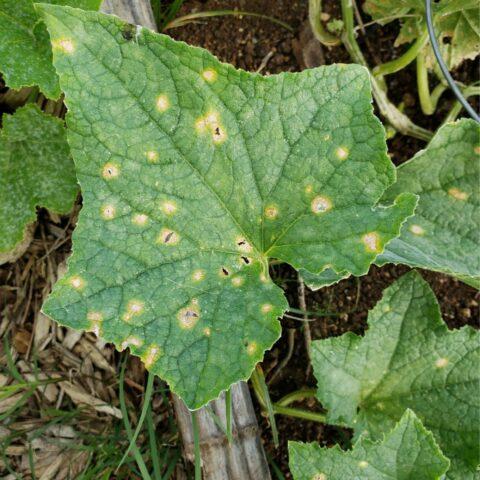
pixel 60 409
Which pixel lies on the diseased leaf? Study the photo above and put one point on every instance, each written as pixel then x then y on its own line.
pixel 25 50
pixel 407 359
pixel 407 452
pixel 456 22
pixel 36 170
pixel 443 234
pixel 193 175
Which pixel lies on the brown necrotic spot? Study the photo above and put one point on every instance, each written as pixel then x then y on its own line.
pixel 189 316
pixel 224 272
pixel 168 237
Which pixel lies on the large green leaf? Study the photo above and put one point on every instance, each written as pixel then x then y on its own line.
pixel 407 452
pixel 25 51
pixel 407 359
pixel 443 234
pixel 35 170
pixel 457 25
pixel 194 174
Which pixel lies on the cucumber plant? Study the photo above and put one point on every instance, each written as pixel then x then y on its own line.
pixel 407 359
pixel 36 169
pixel 193 176
pixel 457 26
pixel 407 451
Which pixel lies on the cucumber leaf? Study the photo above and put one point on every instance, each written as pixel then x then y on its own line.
pixel 193 176
pixel 316 281
pixel 407 359
pixel 443 233
pixel 36 169
pixel 406 452
pixel 25 51
pixel 456 22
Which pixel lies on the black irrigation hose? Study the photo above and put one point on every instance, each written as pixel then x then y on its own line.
pixel 443 67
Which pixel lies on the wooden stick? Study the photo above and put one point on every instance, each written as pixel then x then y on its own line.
pixel 245 458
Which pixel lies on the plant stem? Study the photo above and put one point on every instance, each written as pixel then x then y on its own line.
pixel 396 118
pixel 295 396
pixel 401 62
pixel 267 403
pixel 428 101
pixel 314 17
pixel 228 414
pixel 423 88
pixel 457 106
pixel 299 413
pixel 196 446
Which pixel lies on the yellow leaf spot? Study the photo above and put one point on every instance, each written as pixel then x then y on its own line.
pixel 168 237
pixel 94 316
pixel 151 355
pixel 243 245
pixel 77 282
pixel 189 316
pixel 209 74
pixel 327 137
pixel 372 242
pixel 342 153
pixel 95 319
pixel 251 348
pixel 477 149
pixel 131 341
pixel 210 123
pixel 207 331
pixel 458 194
pixel 110 170
pixel 309 188
pixel 263 278
pixel 108 212
pixel 140 219
pixel 441 362
pixel 417 230
pixel 271 212
pixel 152 156
pixel 321 204
pixel 266 308
pixel 237 281
pixel 64 45
pixel 162 103
pixel 169 207
pixel 134 309
pixel 198 275
pixel 363 464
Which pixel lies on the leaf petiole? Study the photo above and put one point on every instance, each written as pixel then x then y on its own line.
pixel 401 62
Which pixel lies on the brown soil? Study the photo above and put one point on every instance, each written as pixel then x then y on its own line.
pixel 253 44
